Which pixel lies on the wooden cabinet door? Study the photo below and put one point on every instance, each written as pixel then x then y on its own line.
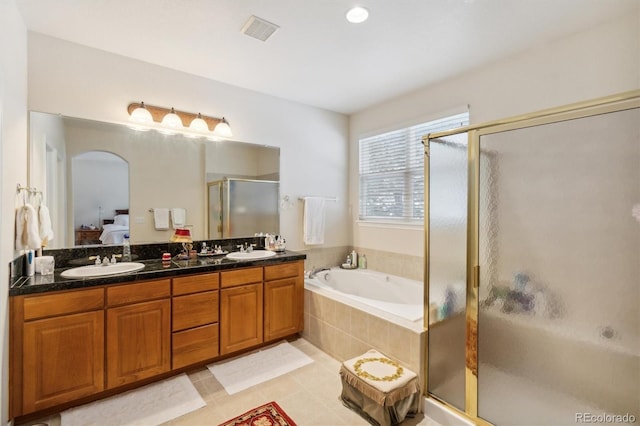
pixel 138 341
pixel 240 317
pixel 63 359
pixel 283 308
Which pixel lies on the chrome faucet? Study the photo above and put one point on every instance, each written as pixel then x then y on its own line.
pixel 314 272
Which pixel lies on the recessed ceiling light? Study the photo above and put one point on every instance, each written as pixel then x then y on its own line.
pixel 357 15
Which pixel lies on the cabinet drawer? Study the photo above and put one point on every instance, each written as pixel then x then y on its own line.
pixel 139 292
pixel 195 283
pixel 194 310
pixel 195 345
pixel 67 302
pixel 285 270
pixel 240 277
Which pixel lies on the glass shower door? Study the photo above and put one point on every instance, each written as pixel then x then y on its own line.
pixel 559 249
pixel 447 248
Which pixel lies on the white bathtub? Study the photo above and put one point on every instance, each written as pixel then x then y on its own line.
pixel 394 298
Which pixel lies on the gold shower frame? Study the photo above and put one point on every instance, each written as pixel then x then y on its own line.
pixel 614 103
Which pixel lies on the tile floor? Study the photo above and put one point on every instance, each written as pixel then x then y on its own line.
pixel 309 395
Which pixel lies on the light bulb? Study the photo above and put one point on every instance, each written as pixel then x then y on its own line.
pixel 172 120
pixel 198 124
pixel 141 114
pixel 223 129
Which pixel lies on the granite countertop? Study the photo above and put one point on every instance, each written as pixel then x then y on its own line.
pixel 154 269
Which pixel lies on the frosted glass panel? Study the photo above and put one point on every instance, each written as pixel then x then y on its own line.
pixel 559 315
pixel 250 207
pixel 447 268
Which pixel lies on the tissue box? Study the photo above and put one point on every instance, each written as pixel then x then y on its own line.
pixel 45 265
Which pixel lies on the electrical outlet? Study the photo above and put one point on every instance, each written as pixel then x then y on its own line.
pixel 139 219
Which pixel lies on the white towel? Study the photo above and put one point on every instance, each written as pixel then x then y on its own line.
pixel 46 231
pixel 161 218
pixel 314 220
pixel 178 217
pixel 27 235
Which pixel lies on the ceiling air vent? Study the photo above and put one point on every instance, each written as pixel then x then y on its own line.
pixel 259 28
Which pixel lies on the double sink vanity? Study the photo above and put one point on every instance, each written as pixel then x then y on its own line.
pixel 77 340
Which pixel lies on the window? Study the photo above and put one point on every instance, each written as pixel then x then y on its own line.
pixel 392 170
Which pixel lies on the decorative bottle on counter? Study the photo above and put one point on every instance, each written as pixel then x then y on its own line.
pixel 126 249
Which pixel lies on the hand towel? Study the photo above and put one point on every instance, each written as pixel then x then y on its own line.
pixel 314 212
pixel 161 218
pixel 178 217
pixel 45 231
pixel 27 235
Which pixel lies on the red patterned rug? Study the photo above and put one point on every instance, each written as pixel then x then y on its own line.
pixel 266 415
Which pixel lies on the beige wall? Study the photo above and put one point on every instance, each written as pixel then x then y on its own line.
pixel 13 159
pixel 77 81
pixel 601 61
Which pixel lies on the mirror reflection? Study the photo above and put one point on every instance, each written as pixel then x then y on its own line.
pixel 99 177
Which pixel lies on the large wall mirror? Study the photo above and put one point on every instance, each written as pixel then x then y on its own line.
pixel 98 176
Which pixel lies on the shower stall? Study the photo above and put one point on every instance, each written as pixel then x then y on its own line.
pixel 532 271
pixel 242 207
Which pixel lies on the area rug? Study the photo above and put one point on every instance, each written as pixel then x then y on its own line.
pixel 266 415
pixel 149 405
pixel 249 370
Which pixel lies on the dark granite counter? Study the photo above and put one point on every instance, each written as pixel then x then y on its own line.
pixel 154 269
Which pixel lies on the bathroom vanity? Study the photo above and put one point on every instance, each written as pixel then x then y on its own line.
pixel 72 341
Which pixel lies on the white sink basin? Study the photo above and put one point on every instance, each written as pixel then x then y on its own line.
pixel 256 254
pixel 102 270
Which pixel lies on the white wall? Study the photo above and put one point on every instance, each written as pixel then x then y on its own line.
pixel 602 61
pixel 100 187
pixel 88 83
pixel 13 158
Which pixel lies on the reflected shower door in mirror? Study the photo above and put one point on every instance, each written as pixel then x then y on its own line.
pixel 165 171
pixel 241 207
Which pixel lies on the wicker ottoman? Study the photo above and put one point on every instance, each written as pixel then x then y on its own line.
pixel 379 389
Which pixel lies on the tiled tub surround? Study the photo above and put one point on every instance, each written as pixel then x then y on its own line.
pixel 344 330
pixel 321 257
pixel 401 265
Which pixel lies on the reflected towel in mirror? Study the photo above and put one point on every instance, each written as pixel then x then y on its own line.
pixel 161 218
pixel 178 217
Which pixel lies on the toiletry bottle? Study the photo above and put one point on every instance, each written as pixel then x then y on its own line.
pixel 362 261
pixel 31 267
pixel 354 259
pixel 126 249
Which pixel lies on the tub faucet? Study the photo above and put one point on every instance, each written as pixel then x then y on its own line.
pixel 314 272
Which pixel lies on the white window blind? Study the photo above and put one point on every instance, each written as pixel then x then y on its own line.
pixel 392 170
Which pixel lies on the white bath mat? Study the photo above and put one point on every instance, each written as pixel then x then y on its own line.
pixel 249 370
pixel 149 405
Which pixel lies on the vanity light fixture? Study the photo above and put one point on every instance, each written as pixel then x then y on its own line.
pixel 357 14
pixel 170 121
